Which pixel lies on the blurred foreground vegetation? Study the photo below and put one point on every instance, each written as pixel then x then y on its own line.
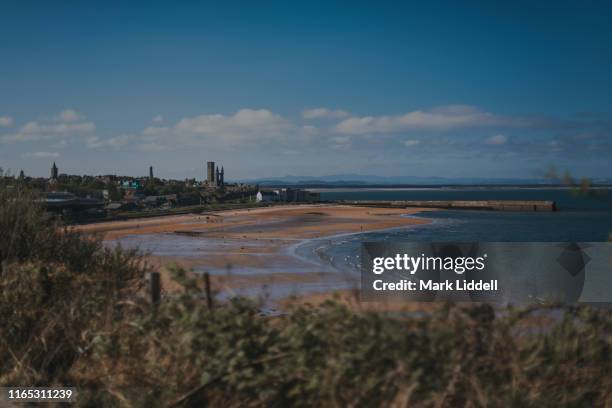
pixel 73 313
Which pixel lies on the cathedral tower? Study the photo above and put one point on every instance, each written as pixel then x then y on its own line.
pixel 54 172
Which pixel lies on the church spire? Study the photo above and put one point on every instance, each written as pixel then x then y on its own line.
pixel 54 172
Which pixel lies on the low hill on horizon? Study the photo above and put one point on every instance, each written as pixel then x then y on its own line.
pixel 359 179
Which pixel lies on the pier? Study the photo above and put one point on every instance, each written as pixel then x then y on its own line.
pixel 493 205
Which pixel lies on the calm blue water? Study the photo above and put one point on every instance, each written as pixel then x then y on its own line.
pixel 580 219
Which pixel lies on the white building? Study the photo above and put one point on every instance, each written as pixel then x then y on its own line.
pixel 291 195
pixel 266 196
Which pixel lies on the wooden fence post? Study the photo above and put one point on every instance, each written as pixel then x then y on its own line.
pixel 45 284
pixel 154 288
pixel 209 300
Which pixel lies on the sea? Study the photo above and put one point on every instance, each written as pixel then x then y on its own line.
pixel 581 217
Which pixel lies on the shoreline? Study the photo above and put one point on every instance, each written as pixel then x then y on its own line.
pixel 295 247
pixel 253 249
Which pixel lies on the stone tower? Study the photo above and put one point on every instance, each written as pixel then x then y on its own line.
pixel 54 172
pixel 210 172
pixel 151 172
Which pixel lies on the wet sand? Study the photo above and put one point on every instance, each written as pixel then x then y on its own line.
pixel 249 251
pixel 290 221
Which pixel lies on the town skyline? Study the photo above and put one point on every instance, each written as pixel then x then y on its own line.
pixel 502 91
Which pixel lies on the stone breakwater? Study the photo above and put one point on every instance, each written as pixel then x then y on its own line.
pixel 495 205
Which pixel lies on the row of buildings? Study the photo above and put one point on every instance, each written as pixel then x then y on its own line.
pixel 213 177
pixel 124 193
pixel 127 193
pixel 287 195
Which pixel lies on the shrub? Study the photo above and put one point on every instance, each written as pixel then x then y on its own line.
pixel 55 287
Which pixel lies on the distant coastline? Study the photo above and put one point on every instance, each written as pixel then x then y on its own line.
pixel 401 187
pixel 358 186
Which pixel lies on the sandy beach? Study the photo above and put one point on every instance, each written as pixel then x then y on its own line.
pixel 249 251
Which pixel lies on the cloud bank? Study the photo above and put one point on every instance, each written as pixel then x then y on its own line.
pixel 317 113
pixel 6 121
pixel 66 124
pixel 444 118
pixel 271 140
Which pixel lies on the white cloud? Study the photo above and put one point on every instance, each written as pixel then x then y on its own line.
pixel 39 155
pixel 341 140
pixel 245 127
pixel 6 121
pixel 113 142
pixel 310 130
pixel 307 134
pixel 439 119
pixel 69 115
pixel 66 124
pixel 156 130
pixel 496 140
pixel 157 119
pixel 316 113
pixel 243 121
pixel 409 143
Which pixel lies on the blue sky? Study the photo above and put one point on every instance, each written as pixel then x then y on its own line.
pixel 477 89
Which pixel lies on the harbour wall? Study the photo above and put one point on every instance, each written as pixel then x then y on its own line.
pixel 493 205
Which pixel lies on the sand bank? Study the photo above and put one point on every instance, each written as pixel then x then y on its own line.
pixel 291 221
pixel 248 250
